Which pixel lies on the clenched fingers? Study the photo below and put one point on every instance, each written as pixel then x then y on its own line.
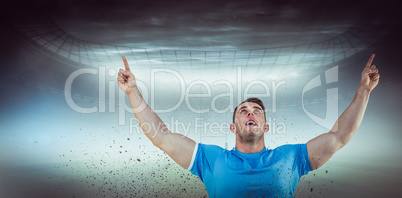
pixel 121 79
pixel 373 69
pixel 375 76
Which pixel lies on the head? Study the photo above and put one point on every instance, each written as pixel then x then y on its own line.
pixel 254 100
pixel 249 122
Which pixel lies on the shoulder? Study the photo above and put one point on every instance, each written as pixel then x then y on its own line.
pixel 291 149
pixel 210 149
pixel 205 154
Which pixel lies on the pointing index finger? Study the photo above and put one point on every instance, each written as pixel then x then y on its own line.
pixel 126 64
pixel 370 60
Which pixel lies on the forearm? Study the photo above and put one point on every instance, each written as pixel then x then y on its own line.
pixel 321 148
pixel 150 123
pixel 350 120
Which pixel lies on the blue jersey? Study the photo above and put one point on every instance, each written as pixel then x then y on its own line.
pixel 269 173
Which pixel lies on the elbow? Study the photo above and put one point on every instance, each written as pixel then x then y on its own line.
pixel 337 142
pixel 161 139
pixel 342 141
pixel 157 141
pixel 343 136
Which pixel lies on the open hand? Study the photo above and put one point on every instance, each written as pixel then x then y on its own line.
pixel 126 79
pixel 370 75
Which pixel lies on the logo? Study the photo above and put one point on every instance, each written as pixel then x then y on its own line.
pixel 331 114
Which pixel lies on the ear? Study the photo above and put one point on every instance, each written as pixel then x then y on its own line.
pixel 233 128
pixel 266 128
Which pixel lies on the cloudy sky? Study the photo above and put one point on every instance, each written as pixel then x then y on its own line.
pixel 49 149
pixel 206 24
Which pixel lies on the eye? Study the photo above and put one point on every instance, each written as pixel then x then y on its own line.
pixel 257 112
pixel 243 111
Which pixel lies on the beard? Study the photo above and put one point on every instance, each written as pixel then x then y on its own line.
pixel 251 136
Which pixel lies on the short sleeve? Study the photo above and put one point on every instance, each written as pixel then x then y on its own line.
pixel 302 159
pixel 203 160
pixel 299 153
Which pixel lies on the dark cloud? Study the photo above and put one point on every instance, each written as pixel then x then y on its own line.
pixel 206 24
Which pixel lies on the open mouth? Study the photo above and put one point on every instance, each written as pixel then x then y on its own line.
pixel 251 123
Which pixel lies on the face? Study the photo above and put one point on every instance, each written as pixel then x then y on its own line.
pixel 249 122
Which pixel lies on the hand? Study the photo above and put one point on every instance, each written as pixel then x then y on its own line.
pixel 370 75
pixel 126 79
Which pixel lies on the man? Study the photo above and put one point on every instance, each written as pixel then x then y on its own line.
pixel 250 169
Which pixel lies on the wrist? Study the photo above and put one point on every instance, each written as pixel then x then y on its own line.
pixel 364 89
pixel 131 91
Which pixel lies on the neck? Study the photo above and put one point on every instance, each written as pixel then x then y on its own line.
pixel 250 147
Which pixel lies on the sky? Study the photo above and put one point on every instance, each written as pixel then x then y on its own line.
pixel 205 24
pixel 195 61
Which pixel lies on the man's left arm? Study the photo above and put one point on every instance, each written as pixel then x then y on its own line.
pixel 322 147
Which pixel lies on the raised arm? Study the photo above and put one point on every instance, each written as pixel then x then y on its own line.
pixel 321 148
pixel 178 147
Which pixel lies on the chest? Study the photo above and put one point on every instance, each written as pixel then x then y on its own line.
pixel 247 177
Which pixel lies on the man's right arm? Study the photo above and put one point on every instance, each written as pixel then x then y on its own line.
pixel 179 147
